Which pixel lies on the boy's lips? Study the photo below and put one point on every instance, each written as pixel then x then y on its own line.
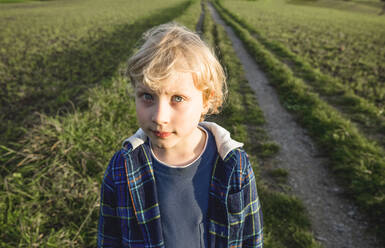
pixel 161 134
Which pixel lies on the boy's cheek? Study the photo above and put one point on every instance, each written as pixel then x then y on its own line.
pixel 140 116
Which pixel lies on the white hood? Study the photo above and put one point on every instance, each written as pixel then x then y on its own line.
pixel 224 142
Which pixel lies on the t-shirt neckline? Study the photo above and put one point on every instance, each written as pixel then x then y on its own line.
pixel 189 164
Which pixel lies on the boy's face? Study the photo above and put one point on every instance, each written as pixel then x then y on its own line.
pixel 171 115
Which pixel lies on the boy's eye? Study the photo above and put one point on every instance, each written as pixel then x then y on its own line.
pixel 147 97
pixel 177 99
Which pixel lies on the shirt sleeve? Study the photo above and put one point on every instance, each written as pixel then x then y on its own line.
pixel 109 233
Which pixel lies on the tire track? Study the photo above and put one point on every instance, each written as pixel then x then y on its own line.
pixel 335 220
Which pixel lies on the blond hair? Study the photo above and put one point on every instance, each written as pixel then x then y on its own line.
pixel 171 47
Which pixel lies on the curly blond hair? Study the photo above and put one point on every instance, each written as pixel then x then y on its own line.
pixel 171 48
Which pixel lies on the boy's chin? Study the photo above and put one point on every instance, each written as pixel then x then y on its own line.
pixel 160 143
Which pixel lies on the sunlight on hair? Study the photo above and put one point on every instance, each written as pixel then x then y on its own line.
pixel 171 48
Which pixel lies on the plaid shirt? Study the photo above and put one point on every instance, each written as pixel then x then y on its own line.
pixel 129 209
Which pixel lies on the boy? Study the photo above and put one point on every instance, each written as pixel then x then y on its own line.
pixel 178 182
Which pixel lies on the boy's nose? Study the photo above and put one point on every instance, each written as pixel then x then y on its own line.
pixel 162 113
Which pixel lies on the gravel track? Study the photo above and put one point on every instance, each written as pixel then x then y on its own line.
pixel 336 222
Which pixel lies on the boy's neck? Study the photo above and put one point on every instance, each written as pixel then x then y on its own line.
pixel 185 154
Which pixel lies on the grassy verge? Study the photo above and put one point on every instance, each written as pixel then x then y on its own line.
pixel 49 195
pixel 357 162
pixel 286 223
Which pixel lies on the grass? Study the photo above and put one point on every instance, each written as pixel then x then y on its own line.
pixel 362 7
pixel 356 161
pixel 14 1
pixel 50 198
pixel 286 222
pixel 50 179
pixel 69 73
pixel 190 16
pixel 346 45
pixel 63 48
pixel 358 109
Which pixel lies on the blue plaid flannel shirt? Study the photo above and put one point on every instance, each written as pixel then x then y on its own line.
pixel 129 208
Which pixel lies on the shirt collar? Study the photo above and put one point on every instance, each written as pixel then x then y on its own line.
pixel 224 142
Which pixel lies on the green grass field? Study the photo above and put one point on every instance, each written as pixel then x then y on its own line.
pixel 52 51
pixel 347 45
pixel 14 1
pixel 65 109
pixel 285 218
pixel 356 156
pixel 50 178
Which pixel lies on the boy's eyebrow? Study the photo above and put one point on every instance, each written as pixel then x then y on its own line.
pixel 142 87
pixel 176 92
pixel 139 86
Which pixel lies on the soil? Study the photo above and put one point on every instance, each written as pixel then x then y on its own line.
pixel 336 222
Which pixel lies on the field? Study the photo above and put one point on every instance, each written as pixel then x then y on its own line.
pixel 50 177
pixel 64 51
pixel 14 1
pixel 324 106
pixel 314 48
pixel 349 46
pixel 285 218
pixel 63 44
pixel 66 106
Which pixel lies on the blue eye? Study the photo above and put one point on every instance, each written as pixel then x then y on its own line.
pixel 177 99
pixel 147 97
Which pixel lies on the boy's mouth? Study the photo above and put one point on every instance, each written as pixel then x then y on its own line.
pixel 162 134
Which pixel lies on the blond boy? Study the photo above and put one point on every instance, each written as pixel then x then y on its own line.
pixel 178 181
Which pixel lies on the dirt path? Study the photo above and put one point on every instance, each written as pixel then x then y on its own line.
pixel 199 26
pixel 336 222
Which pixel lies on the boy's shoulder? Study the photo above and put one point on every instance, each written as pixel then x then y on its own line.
pixel 236 160
pixel 134 141
pixel 237 163
pixel 117 159
pixel 225 144
pixel 230 151
pixel 125 160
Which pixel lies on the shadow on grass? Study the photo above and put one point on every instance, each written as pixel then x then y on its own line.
pixel 54 81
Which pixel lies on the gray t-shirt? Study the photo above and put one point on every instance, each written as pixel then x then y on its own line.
pixel 183 195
